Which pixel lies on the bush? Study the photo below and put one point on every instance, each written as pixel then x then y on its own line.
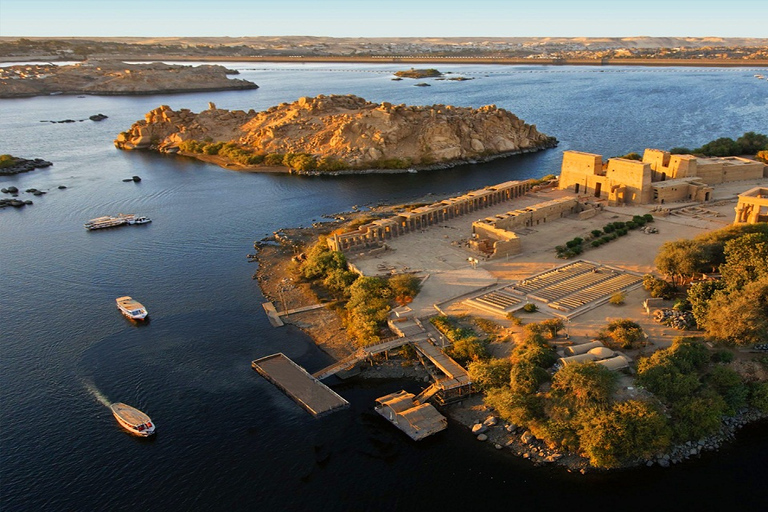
pixel 530 308
pixel 758 396
pixel 648 217
pixel 722 356
pixel 618 298
pixel 596 233
pixel 526 377
pixel 596 243
pixel 514 319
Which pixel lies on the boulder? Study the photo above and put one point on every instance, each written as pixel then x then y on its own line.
pixel 482 437
pixel 479 428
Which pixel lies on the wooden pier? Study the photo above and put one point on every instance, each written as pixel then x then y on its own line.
pixel 314 396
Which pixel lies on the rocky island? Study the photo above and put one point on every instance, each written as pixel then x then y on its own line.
pixel 336 133
pixel 115 78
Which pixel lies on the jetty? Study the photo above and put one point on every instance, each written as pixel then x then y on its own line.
pixel 416 420
pixel 311 394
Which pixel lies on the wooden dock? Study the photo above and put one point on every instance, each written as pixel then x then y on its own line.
pixel 272 314
pixel 314 396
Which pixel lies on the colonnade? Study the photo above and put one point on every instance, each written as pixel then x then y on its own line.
pixel 377 232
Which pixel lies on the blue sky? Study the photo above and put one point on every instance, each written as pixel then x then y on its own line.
pixel 385 18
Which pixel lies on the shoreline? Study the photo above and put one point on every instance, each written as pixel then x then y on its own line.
pixel 707 63
pixel 234 166
pixel 277 282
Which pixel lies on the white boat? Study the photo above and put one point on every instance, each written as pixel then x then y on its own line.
pixel 132 419
pixel 131 308
pixel 139 220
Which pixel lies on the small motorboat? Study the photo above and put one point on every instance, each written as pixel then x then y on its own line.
pixel 132 419
pixel 139 220
pixel 131 308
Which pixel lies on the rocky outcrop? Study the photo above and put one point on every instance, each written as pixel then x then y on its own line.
pixel 115 78
pixel 11 165
pixel 348 129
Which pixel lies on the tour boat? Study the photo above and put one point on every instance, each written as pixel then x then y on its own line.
pixel 131 308
pixel 132 419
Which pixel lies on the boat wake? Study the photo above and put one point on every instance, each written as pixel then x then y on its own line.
pixel 91 388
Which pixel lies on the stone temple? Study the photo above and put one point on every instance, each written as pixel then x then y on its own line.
pixel 658 179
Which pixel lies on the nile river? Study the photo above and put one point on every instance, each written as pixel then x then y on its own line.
pixel 227 439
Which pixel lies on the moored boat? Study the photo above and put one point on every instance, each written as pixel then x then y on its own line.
pixel 131 308
pixel 120 219
pixel 139 220
pixel 132 419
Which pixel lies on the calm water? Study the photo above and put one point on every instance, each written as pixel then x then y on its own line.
pixel 227 439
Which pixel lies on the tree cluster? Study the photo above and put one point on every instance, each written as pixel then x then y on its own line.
pixel 733 309
pixel 750 143
pixel 368 299
pixel 697 388
pixel 578 412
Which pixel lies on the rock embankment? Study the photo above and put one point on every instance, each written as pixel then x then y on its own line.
pixel 348 129
pixel 115 78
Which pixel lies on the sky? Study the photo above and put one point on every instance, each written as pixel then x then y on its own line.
pixel 385 18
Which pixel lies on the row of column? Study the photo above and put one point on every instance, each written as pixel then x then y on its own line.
pixel 376 234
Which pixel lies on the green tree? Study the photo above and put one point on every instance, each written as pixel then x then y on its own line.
pixel 696 417
pixel 681 260
pixel 526 377
pixel 750 143
pixel 699 295
pixel 467 349
pixel 729 385
pixel 746 260
pixel 321 260
pixel 492 373
pixel 623 333
pixel 519 409
pixel 552 326
pixel 404 287
pixel 628 431
pixel 740 317
pixel 583 384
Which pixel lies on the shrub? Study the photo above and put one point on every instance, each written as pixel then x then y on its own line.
pixel 618 298
pixel 514 319
pixel 722 356
pixel 596 233
pixel 648 217
pixel 530 308
pixel 758 396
